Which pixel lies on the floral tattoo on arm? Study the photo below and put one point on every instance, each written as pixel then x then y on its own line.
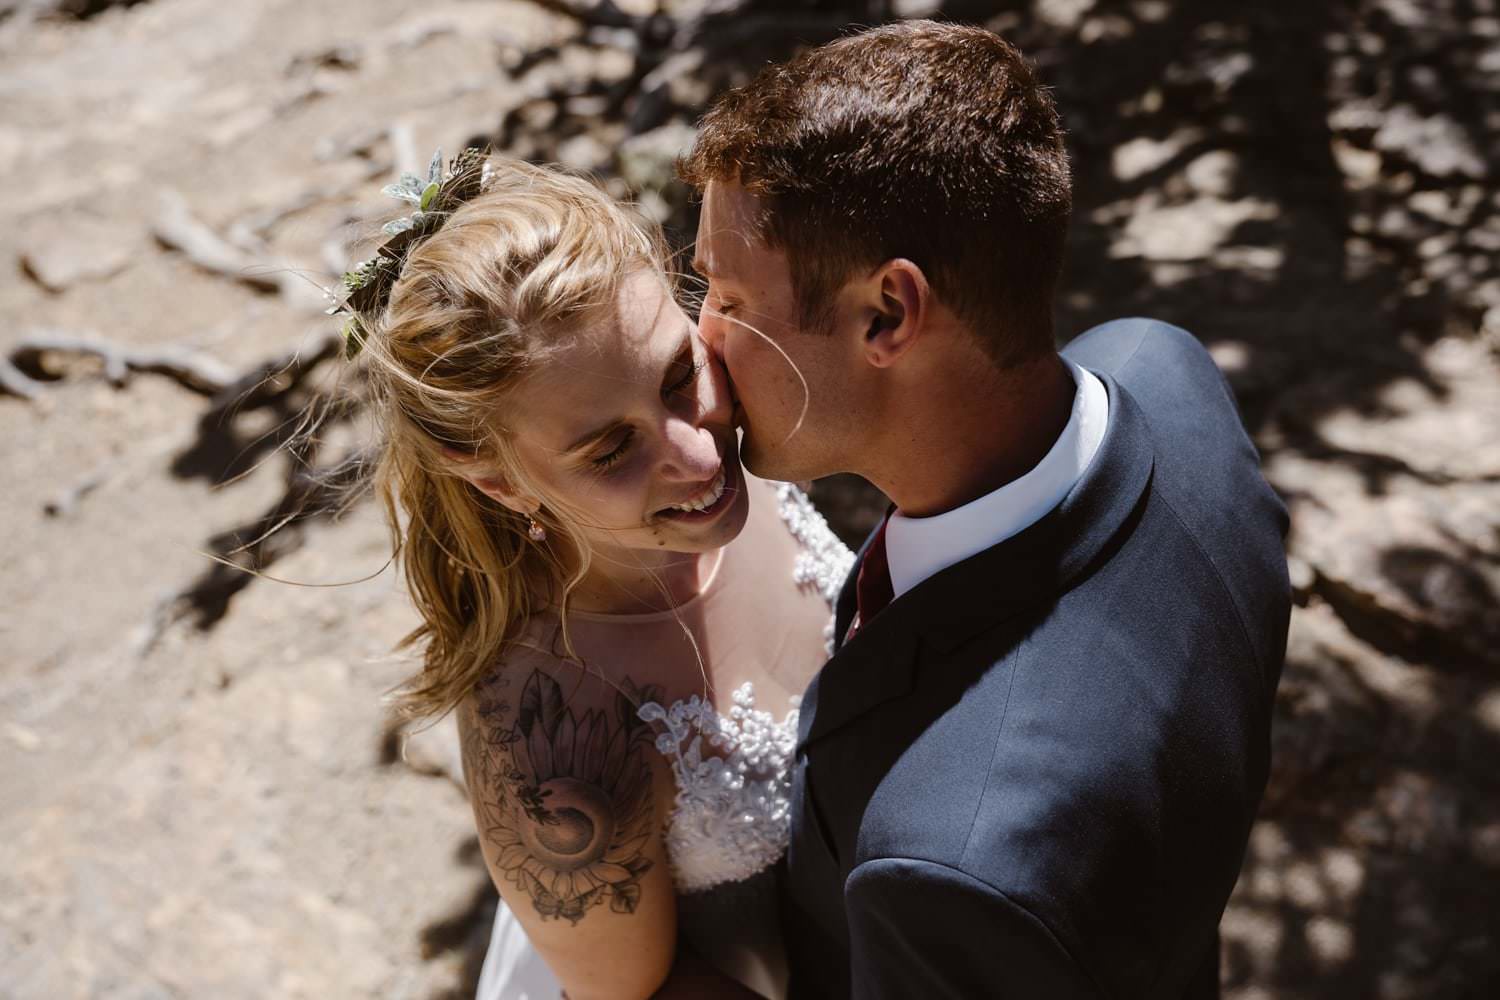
pixel 564 801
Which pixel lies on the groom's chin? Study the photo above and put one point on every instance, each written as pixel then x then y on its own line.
pixel 754 459
pixel 777 465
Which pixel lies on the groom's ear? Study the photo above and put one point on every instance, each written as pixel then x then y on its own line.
pixel 897 303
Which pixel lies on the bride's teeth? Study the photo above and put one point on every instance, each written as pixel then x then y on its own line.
pixel 707 499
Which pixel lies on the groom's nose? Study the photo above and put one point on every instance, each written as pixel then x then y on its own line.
pixel 711 329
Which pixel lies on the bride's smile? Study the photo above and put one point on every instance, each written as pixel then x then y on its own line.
pixel 629 426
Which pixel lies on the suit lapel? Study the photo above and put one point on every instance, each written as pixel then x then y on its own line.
pixel 1025 571
pixel 874 667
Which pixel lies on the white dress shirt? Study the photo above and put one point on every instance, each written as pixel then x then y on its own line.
pixel 918 547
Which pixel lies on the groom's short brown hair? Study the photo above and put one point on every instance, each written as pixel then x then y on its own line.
pixel 933 142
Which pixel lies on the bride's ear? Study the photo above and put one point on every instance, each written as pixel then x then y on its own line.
pixel 484 478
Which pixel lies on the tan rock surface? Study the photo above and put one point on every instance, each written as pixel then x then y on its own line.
pixel 217 814
pixel 204 798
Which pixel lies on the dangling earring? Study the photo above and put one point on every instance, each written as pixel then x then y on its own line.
pixel 534 529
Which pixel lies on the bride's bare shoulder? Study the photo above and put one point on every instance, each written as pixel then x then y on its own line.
pixel 562 778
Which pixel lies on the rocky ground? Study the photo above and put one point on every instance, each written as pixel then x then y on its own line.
pixel 202 794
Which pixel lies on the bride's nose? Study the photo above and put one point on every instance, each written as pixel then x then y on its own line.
pixel 692 453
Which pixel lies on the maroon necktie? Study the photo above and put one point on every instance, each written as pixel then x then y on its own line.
pixel 873 589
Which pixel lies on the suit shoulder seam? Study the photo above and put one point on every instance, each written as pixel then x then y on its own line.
pixel 1239 618
pixel 1014 658
pixel 1120 369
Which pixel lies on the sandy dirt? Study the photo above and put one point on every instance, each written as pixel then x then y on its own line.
pixel 202 796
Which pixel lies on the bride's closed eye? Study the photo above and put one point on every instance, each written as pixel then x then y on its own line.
pixel 605 461
pixel 693 371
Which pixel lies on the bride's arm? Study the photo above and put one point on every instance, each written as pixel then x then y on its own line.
pixel 694 979
pixel 569 797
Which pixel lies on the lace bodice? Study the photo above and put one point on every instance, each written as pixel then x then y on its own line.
pixel 733 772
pixel 730 819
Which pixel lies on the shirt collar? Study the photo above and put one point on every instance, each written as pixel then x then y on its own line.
pixel 919 547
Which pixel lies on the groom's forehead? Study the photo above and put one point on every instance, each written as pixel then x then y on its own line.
pixel 729 231
pixel 729 222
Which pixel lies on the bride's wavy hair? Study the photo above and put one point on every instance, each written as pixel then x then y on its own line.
pixel 479 304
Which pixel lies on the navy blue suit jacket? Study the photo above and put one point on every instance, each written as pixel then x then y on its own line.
pixel 1034 774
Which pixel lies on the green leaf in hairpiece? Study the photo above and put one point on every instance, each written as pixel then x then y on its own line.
pixel 354 337
pixel 408 188
pixel 400 225
pixel 369 284
pixel 360 274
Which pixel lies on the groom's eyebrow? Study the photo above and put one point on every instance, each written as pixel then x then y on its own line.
pixel 701 266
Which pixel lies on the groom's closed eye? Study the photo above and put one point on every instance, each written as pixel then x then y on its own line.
pixel 703 270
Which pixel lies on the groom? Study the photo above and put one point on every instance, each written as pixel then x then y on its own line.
pixel 1031 766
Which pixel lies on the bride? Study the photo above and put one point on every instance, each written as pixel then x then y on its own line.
pixel 620 616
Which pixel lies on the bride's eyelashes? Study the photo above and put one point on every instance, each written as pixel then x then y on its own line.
pixel 607 461
pixel 694 370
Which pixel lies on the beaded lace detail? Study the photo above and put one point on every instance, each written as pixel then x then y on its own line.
pixel 824 560
pixel 733 803
pixel 731 816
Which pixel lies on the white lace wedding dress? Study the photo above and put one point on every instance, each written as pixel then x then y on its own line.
pixel 729 824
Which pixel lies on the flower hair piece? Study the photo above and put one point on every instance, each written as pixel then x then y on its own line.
pixel 368 285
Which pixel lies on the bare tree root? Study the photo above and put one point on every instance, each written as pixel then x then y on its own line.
pixel 176 228
pixel 17 382
pixel 24 372
pixel 66 502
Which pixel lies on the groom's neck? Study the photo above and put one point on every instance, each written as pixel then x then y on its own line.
pixel 985 430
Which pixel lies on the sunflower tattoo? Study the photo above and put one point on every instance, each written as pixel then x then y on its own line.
pixel 565 801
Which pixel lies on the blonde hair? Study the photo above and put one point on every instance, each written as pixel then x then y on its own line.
pixel 477 305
